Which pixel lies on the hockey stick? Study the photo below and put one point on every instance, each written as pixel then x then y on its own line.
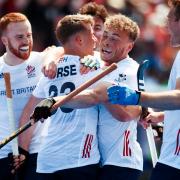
pixel 59 103
pixel 149 131
pixel 11 117
pixel 11 112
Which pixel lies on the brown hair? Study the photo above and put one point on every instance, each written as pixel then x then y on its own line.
pixel 123 23
pixel 94 9
pixel 10 17
pixel 71 24
pixel 176 5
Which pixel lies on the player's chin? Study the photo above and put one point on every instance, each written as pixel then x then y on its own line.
pixel 25 56
pixel 106 58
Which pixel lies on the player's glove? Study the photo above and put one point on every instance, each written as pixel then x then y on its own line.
pixel 17 163
pixel 123 95
pixel 43 109
pixel 90 62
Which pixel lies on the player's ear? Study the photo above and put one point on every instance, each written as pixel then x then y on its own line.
pixel 4 40
pixel 130 46
pixel 78 39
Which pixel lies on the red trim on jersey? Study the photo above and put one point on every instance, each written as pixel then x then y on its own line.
pixel 177 151
pixel 87 146
pixel 126 148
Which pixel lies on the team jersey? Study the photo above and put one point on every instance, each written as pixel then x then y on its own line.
pixel 24 78
pixel 118 140
pixel 71 140
pixel 170 150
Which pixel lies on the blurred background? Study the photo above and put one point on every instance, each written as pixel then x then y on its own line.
pixel 152 45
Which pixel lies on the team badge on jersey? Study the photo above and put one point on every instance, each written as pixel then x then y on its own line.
pixel 121 78
pixel 30 71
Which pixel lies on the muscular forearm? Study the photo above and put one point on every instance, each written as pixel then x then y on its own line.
pixel 123 113
pixel 88 98
pixel 84 99
pixel 169 100
pixel 25 138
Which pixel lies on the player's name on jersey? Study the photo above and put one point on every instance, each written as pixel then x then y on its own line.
pixel 68 70
pixel 18 91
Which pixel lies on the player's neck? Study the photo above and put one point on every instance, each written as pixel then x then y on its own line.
pixel 12 60
pixel 74 52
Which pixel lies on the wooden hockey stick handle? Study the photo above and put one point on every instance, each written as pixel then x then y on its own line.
pixel 59 103
pixel 84 86
pixel 10 111
pixel 7 85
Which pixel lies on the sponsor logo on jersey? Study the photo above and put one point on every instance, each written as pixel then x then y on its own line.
pixel 1 75
pixel 63 59
pixel 120 78
pixel 30 71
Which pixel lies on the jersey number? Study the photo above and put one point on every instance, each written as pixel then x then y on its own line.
pixel 53 91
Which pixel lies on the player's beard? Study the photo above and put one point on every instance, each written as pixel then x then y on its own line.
pixel 17 52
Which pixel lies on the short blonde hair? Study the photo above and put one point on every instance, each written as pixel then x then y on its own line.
pixel 120 22
pixel 70 25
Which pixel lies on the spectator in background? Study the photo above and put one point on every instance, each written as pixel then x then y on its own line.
pixel 99 14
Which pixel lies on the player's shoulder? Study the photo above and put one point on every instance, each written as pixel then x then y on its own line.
pixel 1 60
pixel 128 63
pixel 35 54
pixel 2 64
pixel 132 62
pixel 177 59
pixel 178 54
pixel 69 59
pixel 176 62
pixel 35 58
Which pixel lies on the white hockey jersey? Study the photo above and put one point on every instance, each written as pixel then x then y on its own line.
pixel 118 140
pixel 71 140
pixel 170 150
pixel 24 78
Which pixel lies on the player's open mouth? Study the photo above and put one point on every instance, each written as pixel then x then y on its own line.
pixel 24 48
pixel 105 51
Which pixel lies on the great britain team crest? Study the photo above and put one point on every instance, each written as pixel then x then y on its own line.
pixel 120 78
pixel 30 71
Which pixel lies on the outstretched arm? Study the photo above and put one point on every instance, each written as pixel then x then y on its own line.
pixel 98 95
pixel 169 100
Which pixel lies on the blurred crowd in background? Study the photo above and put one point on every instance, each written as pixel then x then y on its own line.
pixel 149 14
